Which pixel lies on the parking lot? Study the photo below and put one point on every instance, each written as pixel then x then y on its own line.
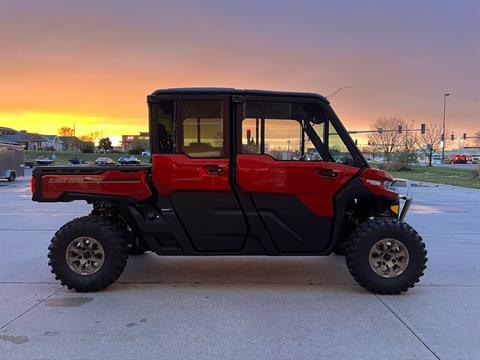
pixel 240 307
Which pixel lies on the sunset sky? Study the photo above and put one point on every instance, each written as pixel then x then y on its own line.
pixel 92 63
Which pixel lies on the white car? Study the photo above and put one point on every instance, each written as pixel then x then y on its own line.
pixel 103 161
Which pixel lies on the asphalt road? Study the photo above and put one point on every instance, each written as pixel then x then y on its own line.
pixel 241 307
pixel 458 166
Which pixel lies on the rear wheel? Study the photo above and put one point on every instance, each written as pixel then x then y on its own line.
pixel 88 253
pixel 386 256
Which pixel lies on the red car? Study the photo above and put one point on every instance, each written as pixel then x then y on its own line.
pixel 459 159
pixel 235 172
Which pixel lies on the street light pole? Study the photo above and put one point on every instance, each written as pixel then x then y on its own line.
pixel 335 93
pixel 444 139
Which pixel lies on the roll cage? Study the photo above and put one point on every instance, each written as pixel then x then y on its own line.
pixel 232 132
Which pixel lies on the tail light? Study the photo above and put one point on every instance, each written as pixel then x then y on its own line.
pixel 33 185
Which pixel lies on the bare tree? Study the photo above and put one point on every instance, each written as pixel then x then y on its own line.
pixel 386 138
pixel 430 141
pixel 66 131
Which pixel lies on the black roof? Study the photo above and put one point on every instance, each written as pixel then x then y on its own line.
pixel 233 91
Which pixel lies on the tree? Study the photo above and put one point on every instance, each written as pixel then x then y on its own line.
pixel 105 144
pixel 430 142
pixel 388 139
pixel 87 147
pixel 407 154
pixel 90 137
pixel 86 138
pixel 138 146
pixel 66 131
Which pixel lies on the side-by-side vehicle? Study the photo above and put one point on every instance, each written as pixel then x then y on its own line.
pixel 235 172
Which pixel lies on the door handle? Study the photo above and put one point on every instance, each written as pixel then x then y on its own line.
pixel 328 173
pixel 214 169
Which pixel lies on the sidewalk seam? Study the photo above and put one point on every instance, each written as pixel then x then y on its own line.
pixel 30 308
pixel 408 327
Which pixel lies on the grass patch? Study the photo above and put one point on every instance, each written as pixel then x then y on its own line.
pixel 61 157
pixel 438 175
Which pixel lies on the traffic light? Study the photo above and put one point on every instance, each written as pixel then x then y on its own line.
pixel 452 137
pixel 399 129
pixel 422 128
pixel 464 136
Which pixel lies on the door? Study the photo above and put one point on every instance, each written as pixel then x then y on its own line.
pixel 196 176
pixel 285 165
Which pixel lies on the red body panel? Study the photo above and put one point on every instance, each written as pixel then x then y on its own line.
pixel 131 185
pixel 305 180
pixel 180 172
pixel 376 186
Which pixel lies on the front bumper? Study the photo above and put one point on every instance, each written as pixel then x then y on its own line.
pixel 408 201
pixel 403 186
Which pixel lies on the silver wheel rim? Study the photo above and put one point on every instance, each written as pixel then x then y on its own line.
pixel 85 255
pixel 389 258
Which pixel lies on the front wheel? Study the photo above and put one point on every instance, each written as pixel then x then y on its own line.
pixel 88 253
pixel 386 256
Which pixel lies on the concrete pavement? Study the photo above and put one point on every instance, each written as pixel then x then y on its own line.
pixel 240 307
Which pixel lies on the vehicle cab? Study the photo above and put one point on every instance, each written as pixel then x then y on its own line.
pixel 231 158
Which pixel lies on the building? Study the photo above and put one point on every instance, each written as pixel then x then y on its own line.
pixel 128 139
pixel 31 141
pixel 6 131
pixel 70 143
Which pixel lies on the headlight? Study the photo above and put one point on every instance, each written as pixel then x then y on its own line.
pixel 387 184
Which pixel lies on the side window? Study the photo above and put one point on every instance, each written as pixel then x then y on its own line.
pixel 251 136
pixel 201 132
pixel 283 139
pixel 337 148
pixel 285 131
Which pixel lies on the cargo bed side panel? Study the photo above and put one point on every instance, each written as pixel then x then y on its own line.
pixel 69 184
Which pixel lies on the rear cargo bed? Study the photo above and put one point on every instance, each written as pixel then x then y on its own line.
pixel 119 183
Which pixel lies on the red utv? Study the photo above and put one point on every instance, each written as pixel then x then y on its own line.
pixel 235 172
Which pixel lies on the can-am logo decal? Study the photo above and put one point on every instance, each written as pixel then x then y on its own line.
pixel 64 180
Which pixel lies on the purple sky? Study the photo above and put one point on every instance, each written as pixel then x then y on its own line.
pixel 85 60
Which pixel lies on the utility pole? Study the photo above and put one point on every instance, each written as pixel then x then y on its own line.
pixel 444 140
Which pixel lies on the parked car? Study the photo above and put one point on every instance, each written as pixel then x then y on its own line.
pixel 458 159
pixel 44 161
pixel 221 192
pixel 132 160
pixel 104 161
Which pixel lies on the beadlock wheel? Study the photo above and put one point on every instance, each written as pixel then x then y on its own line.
pixel 386 255
pixel 389 258
pixel 85 255
pixel 88 253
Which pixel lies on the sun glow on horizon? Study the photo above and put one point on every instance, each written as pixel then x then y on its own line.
pixel 48 123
